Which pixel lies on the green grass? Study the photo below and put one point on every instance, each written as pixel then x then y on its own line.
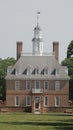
pixel 23 121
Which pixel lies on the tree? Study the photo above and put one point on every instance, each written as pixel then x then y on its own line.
pixel 70 50
pixel 69 63
pixel 3 70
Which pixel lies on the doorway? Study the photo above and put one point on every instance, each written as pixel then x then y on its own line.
pixel 37 104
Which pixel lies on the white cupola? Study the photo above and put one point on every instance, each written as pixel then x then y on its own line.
pixel 37 41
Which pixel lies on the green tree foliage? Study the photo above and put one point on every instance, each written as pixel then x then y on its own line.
pixel 4 63
pixel 69 63
pixel 70 50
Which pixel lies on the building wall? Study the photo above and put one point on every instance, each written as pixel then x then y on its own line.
pixel 11 93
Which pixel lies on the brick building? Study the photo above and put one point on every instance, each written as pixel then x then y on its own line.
pixel 37 81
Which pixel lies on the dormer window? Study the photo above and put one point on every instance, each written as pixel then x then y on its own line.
pixel 9 69
pixel 27 71
pixel 36 71
pixel 16 71
pixel 45 71
pixel 56 71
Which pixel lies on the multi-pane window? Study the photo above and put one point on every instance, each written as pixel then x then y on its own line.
pixel 17 85
pixel 57 101
pixel 36 71
pixel 37 85
pixel 17 101
pixel 46 85
pixel 28 85
pixel 46 101
pixel 28 100
pixel 57 85
pixel 28 71
pixel 45 71
pixel 16 72
pixel 56 71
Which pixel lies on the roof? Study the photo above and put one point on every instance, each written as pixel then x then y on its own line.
pixel 55 70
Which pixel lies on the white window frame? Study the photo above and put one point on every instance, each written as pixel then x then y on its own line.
pixel 16 71
pixel 17 85
pixel 17 104
pixel 47 85
pixel 27 100
pixel 36 86
pixel 45 101
pixel 28 71
pixel 45 71
pixel 57 85
pixel 57 72
pixel 36 71
pixel 57 103
pixel 27 85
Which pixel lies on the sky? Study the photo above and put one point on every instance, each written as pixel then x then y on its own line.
pixel 18 19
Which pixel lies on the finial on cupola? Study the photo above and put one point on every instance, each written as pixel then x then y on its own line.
pixel 38 13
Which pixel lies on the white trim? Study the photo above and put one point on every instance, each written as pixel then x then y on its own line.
pixel 57 105
pixel 57 85
pixel 47 101
pixel 27 84
pixel 37 71
pixel 47 86
pixel 28 71
pixel 16 101
pixel 17 85
pixel 26 100
pixel 37 110
pixel 35 84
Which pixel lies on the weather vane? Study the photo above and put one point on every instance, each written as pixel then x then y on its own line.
pixel 38 17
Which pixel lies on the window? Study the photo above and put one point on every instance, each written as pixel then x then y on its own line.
pixel 57 85
pixel 28 85
pixel 45 71
pixel 16 72
pixel 46 85
pixel 57 101
pixel 45 101
pixel 27 71
pixel 28 101
pixel 17 85
pixel 16 101
pixel 57 72
pixel 36 71
pixel 37 85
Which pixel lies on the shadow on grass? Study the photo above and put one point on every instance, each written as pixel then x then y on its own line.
pixel 67 125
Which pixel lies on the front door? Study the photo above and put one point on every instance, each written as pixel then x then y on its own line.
pixel 37 104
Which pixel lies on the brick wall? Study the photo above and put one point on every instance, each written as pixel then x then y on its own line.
pixel 51 93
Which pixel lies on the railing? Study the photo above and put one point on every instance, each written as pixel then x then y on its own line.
pixel 37 90
pixel 31 54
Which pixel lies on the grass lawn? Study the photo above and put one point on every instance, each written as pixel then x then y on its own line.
pixel 23 121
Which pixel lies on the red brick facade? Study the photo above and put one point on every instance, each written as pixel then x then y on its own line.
pixel 63 93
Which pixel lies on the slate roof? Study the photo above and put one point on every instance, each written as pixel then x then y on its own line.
pixel 40 62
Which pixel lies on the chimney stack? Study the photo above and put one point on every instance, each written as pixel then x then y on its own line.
pixel 56 49
pixel 19 49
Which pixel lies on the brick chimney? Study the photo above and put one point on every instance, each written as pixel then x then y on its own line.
pixel 56 49
pixel 19 49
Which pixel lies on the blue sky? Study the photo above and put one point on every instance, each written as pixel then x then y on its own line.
pixel 18 19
